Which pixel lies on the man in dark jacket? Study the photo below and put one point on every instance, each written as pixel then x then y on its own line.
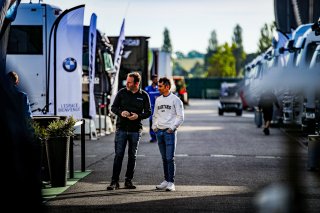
pixel 266 102
pixel 131 105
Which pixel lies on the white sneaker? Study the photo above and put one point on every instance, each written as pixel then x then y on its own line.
pixel 170 187
pixel 162 185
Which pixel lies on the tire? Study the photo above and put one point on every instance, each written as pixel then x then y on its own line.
pixel 239 113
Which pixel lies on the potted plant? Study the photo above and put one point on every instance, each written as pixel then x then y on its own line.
pixel 57 148
pixel 40 136
pixel 61 128
pixel 40 132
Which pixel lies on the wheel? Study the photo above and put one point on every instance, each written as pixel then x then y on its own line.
pixel 239 113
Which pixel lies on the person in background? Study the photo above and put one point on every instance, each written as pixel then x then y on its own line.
pixel 266 102
pixel 153 93
pixel 167 117
pixel 131 105
pixel 14 79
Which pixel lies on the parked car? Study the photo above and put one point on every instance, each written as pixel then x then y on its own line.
pixel 181 89
pixel 230 100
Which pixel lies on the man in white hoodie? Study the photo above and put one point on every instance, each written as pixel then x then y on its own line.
pixel 168 116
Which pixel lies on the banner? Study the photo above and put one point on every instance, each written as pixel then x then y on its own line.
pixel 4 6
pixel 92 55
pixel 65 64
pixel 117 61
pixel 12 11
pixel 8 13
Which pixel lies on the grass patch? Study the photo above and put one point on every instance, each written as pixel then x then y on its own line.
pixel 50 192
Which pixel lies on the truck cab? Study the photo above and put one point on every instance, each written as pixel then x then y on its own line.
pixel 230 101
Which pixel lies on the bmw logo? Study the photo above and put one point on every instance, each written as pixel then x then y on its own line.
pixel 69 64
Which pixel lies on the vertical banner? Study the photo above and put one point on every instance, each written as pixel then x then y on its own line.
pixel 65 95
pixel 117 61
pixel 12 11
pixel 92 56
pixel 4 6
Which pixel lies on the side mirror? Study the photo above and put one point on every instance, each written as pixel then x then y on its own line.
pixel 316 28
pixel 281 50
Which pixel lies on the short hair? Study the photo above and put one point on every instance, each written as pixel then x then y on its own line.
pixel 13 77
pixel 154 76
pixel 136 77
pixel 165 81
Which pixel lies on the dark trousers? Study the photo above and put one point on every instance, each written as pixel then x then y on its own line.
pixel 121 140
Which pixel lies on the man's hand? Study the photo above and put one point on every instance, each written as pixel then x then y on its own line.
pixel 133 116
pixel 125 114
pixel 155 129
pixel 170 131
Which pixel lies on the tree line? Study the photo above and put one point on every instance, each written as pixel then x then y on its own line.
pixel 220 60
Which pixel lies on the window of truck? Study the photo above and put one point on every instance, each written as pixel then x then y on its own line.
pixel 25 40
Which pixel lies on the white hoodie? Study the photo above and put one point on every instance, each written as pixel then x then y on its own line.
pixel 168 112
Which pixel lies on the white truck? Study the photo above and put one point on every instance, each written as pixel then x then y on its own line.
pixel 291 100
pixel 28 49
pixel 28 55
pixel 161 63
pixel 304 112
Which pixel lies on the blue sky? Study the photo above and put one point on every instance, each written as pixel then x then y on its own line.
pixel 189 22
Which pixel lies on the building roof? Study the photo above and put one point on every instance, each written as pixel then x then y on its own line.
pixel 188 63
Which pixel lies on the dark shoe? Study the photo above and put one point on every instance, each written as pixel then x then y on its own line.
pixel 153 141
pixel 266 131
pixel 113 186
pixel 128 185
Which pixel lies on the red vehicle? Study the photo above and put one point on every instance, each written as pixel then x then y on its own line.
pixel 181 89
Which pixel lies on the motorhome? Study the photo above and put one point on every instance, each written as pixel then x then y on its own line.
pixel 304 112
pixel 311 95
pixel 28 49
pixel 28 54
pixel 290 100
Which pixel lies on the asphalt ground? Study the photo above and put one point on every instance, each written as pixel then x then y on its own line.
pixel 224 164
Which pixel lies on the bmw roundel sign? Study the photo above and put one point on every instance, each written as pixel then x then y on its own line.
pixel 69 64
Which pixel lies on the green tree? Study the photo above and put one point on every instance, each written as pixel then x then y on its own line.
pixel 222 63
pixel 237 48
pixel 197 71
pixel 212 47
pixel 266 34
pixel 179 55
pixel 178 70
pixel 194 54
pixel 166 47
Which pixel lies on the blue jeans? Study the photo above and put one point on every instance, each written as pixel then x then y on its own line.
pixel 121 139
pixel 167 147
